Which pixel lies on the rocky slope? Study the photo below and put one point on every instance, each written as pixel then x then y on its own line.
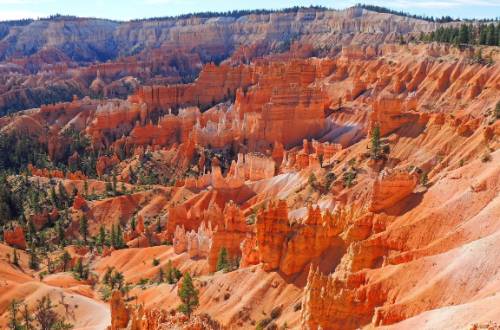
pixel 84 39
pixel 42 59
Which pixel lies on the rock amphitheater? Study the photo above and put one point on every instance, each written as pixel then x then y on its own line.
pixel 352 179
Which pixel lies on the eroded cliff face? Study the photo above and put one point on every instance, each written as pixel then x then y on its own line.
pixel 49 60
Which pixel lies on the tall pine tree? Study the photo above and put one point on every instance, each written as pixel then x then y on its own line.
pixel 188 295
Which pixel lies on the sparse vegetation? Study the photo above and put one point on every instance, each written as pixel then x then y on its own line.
pixel 80 271
pixel 312 180
pixel 349 177
pixel 43 316
pixel 375 148
pixel 424 180
pixel 222 260
pixel 173 275
pixel 486 157
pixel 65 259
pixel 84 228
pixel 329 179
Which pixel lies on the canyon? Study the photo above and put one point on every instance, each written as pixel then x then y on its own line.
pixel 307 168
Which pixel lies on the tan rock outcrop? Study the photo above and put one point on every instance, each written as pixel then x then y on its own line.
pixel 331 303
pixel 253 167
pixel 272 228
pixel 390 113
pixel 119 312
pixel 315 235
pixel 229 233
pixel 15 237
pixel 390 187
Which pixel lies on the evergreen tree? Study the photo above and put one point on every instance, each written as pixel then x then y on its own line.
pixel 158 225
pixel 27 318
pixel 47 318
pixel 133 223
pixel 107 276
pixel 117 280
pixel 80 270
pixel 31 232
pixel 173 274
pixel 123 189
pixel 6 210
pixel 312 180
pixel 60 233
pixel 222 260
pixel 483 35
pixel 120 243
pixel 464 34
pixel 53 197
pixel 63 196
pixel 375 142
pixel 33 260
pixel 109 188
pixel 101 238
pixel 74 193
pixel 65 260
pixel 188 295
pixel 15 258
pixel 491 37
pixel 86 188
pixel 84 228
pixel 113 236
pixel 14 323
pixel 115 184
pixel 161 275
